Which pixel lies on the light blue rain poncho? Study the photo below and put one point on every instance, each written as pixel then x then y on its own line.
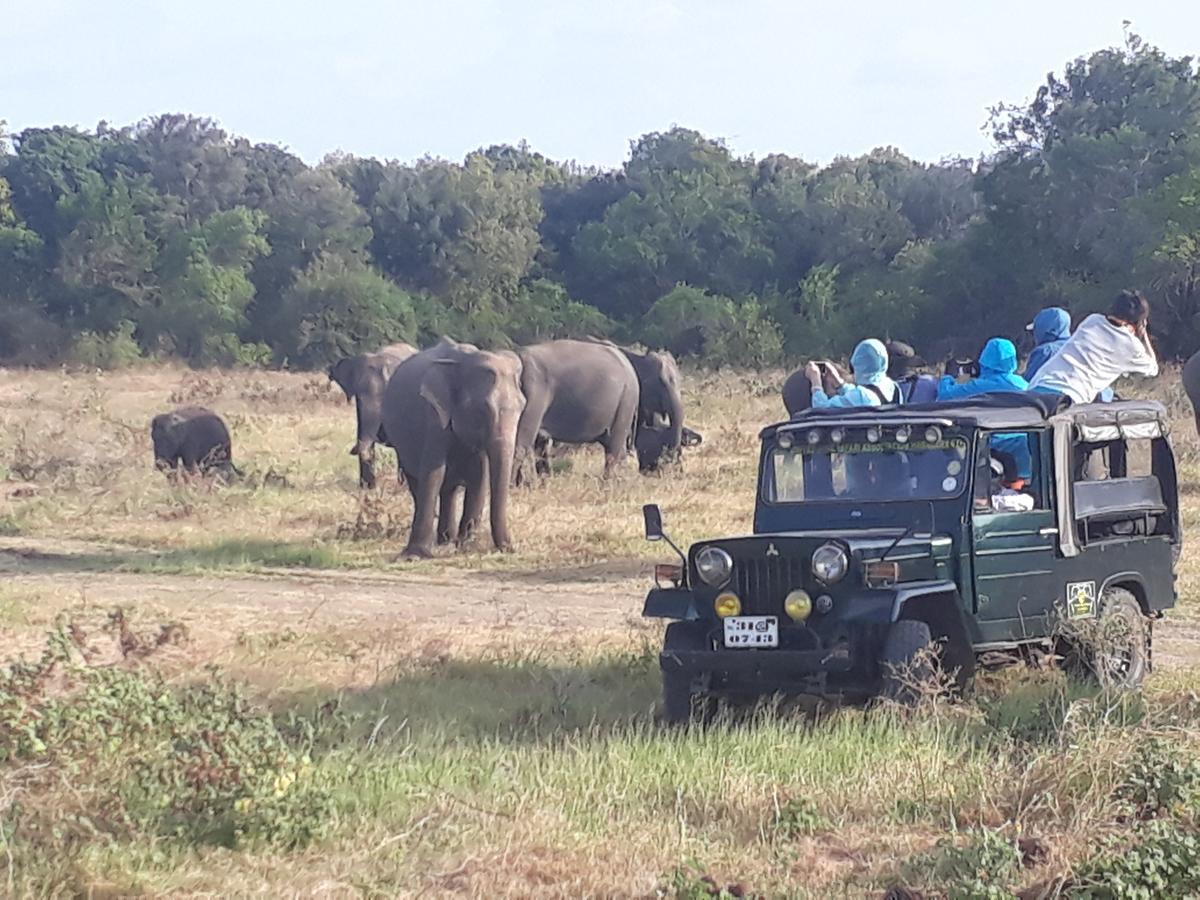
pixel 1051 328
pixel 871 387
pixel 997 373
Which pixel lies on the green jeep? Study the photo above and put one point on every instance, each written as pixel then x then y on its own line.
pixel 899 540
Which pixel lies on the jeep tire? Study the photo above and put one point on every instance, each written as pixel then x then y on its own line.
pixel 1117 654
pixel 907 662
pixel 684 697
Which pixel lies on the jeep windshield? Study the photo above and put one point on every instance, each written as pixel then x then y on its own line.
pixel 840 465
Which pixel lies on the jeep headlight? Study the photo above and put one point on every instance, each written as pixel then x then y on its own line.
pixel 829 563
pixel 714 566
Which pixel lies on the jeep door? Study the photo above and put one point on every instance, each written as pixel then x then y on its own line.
pixel 1014 542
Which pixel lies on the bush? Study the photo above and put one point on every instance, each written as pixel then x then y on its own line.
pixel 543 311
pixel 981 869
pixel 338 307
pixel 113 350
pixel 119 753
pixel 1160 780
pixel 692 322
pixel 1163 864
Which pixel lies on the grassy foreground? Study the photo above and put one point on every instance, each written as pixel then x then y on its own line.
pixel 504 766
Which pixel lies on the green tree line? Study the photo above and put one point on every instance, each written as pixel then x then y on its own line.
pixel 171 238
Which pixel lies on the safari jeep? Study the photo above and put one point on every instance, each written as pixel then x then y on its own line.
pixel 888 536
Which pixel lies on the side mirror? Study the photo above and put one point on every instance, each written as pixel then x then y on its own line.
pixel 653 519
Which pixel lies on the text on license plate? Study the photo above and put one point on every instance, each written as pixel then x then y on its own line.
pixel 752 631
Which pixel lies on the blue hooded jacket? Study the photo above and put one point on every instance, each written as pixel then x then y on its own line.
pixel 1051 328
pixel 997 372
pixel 869 362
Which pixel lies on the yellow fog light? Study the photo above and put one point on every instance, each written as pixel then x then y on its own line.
pixel 798 605
pixel 727 604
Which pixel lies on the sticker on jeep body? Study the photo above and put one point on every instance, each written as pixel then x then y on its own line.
pixel 1081 600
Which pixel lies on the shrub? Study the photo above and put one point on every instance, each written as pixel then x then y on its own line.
pixel 338 307
pixel 794 817
pixel 112 350
pixel 1160 779
pixel 983 868
pixel 543 311
pixel 1163 864
pixel 692 322
pixel 119 753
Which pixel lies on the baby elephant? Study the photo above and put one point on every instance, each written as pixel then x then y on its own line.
pixel 194 436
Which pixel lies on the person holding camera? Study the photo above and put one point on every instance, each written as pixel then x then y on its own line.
pixel 1103 349
pixel 996 372
pixel 872 386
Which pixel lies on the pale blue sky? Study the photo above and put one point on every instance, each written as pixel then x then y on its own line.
pixel 578 80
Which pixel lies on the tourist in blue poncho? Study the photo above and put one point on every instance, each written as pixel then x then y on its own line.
pixel 997 373
pixel 871 387
pixel 1051 328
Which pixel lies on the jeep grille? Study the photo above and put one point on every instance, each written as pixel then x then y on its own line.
pixel 762 583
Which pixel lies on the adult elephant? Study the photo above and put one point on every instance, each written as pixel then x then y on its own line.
pixel 452 412
pixel 578 392
pixel 660 402
pixel 1191 385
pixel 363 379
pixel 194 437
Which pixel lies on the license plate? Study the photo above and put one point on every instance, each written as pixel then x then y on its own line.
pixel 752 631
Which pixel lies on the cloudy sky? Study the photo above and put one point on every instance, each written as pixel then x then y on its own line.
pixel 576 78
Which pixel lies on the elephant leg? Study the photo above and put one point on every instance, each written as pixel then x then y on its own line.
pixel 475 475
pixel 621 435
pixel 541 449
pixel 528 430
pixel 448 524
pixel 366 465
pixel 426 489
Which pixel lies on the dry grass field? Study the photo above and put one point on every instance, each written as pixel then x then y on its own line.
pixel 248 693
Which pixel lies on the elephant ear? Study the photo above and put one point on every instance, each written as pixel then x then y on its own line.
pixel 343 374
pixel 437 389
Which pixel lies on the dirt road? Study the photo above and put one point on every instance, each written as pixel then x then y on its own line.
pixel 579 603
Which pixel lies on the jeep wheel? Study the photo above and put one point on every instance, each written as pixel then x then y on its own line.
pixel 907 662
pixel 684 696
pixel 1114 651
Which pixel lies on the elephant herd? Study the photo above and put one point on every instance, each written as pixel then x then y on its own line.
pixel 481 421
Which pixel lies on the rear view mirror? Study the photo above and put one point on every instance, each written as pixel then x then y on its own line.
pixel 653 518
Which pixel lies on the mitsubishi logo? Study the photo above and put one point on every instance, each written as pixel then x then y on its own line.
pixel 772 550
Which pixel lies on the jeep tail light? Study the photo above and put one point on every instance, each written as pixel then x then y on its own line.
pixel 672 572
pixel 881 574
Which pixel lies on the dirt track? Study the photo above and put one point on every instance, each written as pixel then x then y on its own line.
pixel 576 604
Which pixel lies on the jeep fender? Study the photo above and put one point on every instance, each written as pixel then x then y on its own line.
pixel 670 603
pixel 937 604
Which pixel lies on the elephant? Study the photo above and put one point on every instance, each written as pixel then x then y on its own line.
pixel 578 392
pixel 659 399
pixel 194 436
pixel 363 379
pixel 797 392
pixel 453 412
pixel 1191 385
pixel 654 448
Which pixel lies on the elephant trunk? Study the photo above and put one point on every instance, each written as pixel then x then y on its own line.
pixel 675 404
pixel 500 453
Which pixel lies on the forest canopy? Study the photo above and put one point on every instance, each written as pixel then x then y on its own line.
pixel 172 238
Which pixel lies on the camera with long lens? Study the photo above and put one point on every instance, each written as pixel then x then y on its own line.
pixel 957 368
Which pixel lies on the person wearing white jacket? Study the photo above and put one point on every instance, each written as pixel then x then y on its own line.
pixel 1103 349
